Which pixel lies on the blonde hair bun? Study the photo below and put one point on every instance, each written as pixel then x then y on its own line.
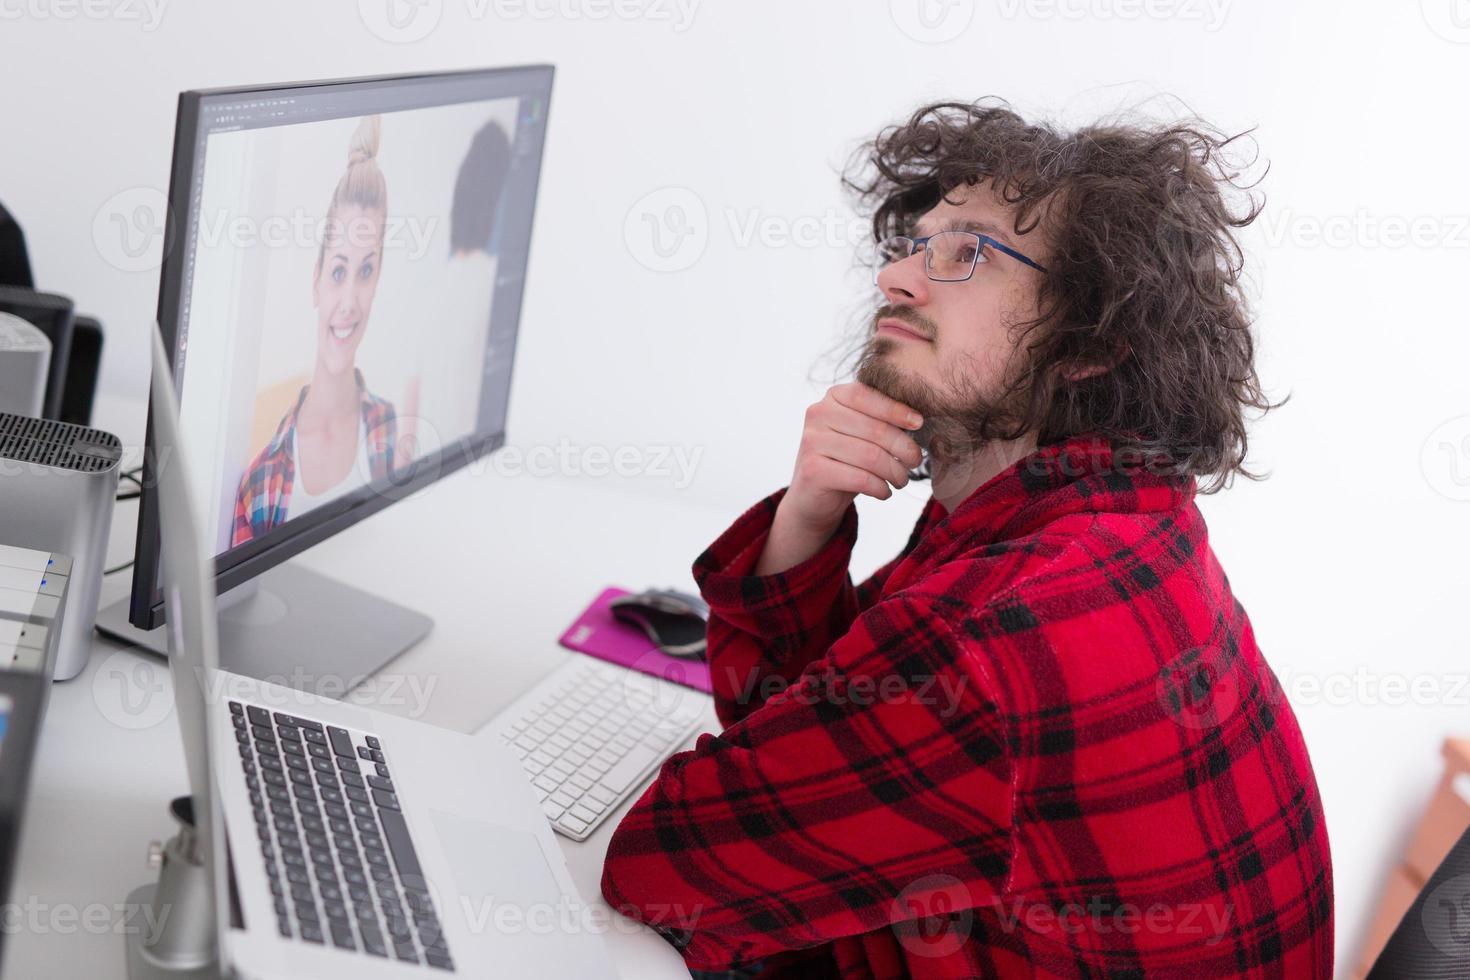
pixel 364 145
pixel 362 184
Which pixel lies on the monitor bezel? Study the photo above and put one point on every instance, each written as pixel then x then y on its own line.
pixel 146 607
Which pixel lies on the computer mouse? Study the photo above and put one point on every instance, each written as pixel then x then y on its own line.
pixel 675 621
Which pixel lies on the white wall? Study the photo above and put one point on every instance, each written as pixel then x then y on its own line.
pixel 1348 558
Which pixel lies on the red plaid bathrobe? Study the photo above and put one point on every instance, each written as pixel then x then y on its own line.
pixel 1041 742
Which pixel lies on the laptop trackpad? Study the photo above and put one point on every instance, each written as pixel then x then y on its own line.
pixel 492 860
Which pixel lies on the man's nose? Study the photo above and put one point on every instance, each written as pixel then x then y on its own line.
pixel 905 281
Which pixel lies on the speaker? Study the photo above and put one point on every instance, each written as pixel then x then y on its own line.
pixel 83 362
pixel 59 484
pixel 25 360
pixel 53 315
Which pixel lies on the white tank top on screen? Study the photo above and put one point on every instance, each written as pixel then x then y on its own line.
pixel 358 476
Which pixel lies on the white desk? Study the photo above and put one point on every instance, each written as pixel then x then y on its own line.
pixel 501 563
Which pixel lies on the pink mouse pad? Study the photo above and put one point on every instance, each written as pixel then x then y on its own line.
pixel 597 633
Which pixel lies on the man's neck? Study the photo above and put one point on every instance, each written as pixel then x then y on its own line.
pixel 955 480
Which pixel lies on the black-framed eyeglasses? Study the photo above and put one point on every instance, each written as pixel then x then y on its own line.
pixel 949 256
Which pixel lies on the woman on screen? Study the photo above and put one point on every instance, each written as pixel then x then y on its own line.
pixel 338 435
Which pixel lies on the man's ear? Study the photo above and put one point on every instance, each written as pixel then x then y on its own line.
pixel 1081 371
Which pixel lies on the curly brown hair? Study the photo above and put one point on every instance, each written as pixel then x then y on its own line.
pixel 1144 271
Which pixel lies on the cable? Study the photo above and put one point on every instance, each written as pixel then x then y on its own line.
pixel 133 477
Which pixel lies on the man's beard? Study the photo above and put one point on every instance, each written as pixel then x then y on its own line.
pixel 958 427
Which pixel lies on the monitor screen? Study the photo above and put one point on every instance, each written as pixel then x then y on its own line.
pixel 342 290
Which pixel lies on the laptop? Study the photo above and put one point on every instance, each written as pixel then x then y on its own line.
pixel 344 842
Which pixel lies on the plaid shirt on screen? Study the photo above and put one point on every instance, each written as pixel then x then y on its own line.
pixel 264 496
pixel 1040 742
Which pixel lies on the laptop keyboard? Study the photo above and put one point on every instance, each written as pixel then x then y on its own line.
pixel 589 734
pixel 341 865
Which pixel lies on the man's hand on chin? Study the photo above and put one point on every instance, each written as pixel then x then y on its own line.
pixel 855 440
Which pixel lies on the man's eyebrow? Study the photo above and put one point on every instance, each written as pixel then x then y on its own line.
pixel 970 224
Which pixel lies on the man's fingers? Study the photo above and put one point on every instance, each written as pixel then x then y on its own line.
pixel 860 453
pixel 871 401
pixel 896 441
pixel 833 474
pixel 855 441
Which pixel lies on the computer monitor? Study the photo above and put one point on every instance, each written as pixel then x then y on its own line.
pixel 340 295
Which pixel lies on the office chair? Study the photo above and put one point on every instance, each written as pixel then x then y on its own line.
pixel 1432 940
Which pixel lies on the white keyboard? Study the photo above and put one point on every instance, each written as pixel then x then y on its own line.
pixel 591 732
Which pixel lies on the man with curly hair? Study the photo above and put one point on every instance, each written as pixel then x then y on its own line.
pixel 1042 740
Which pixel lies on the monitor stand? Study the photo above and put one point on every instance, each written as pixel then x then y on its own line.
pixel 295 627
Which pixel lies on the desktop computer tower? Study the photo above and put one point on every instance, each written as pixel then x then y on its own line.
pixel 59 484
